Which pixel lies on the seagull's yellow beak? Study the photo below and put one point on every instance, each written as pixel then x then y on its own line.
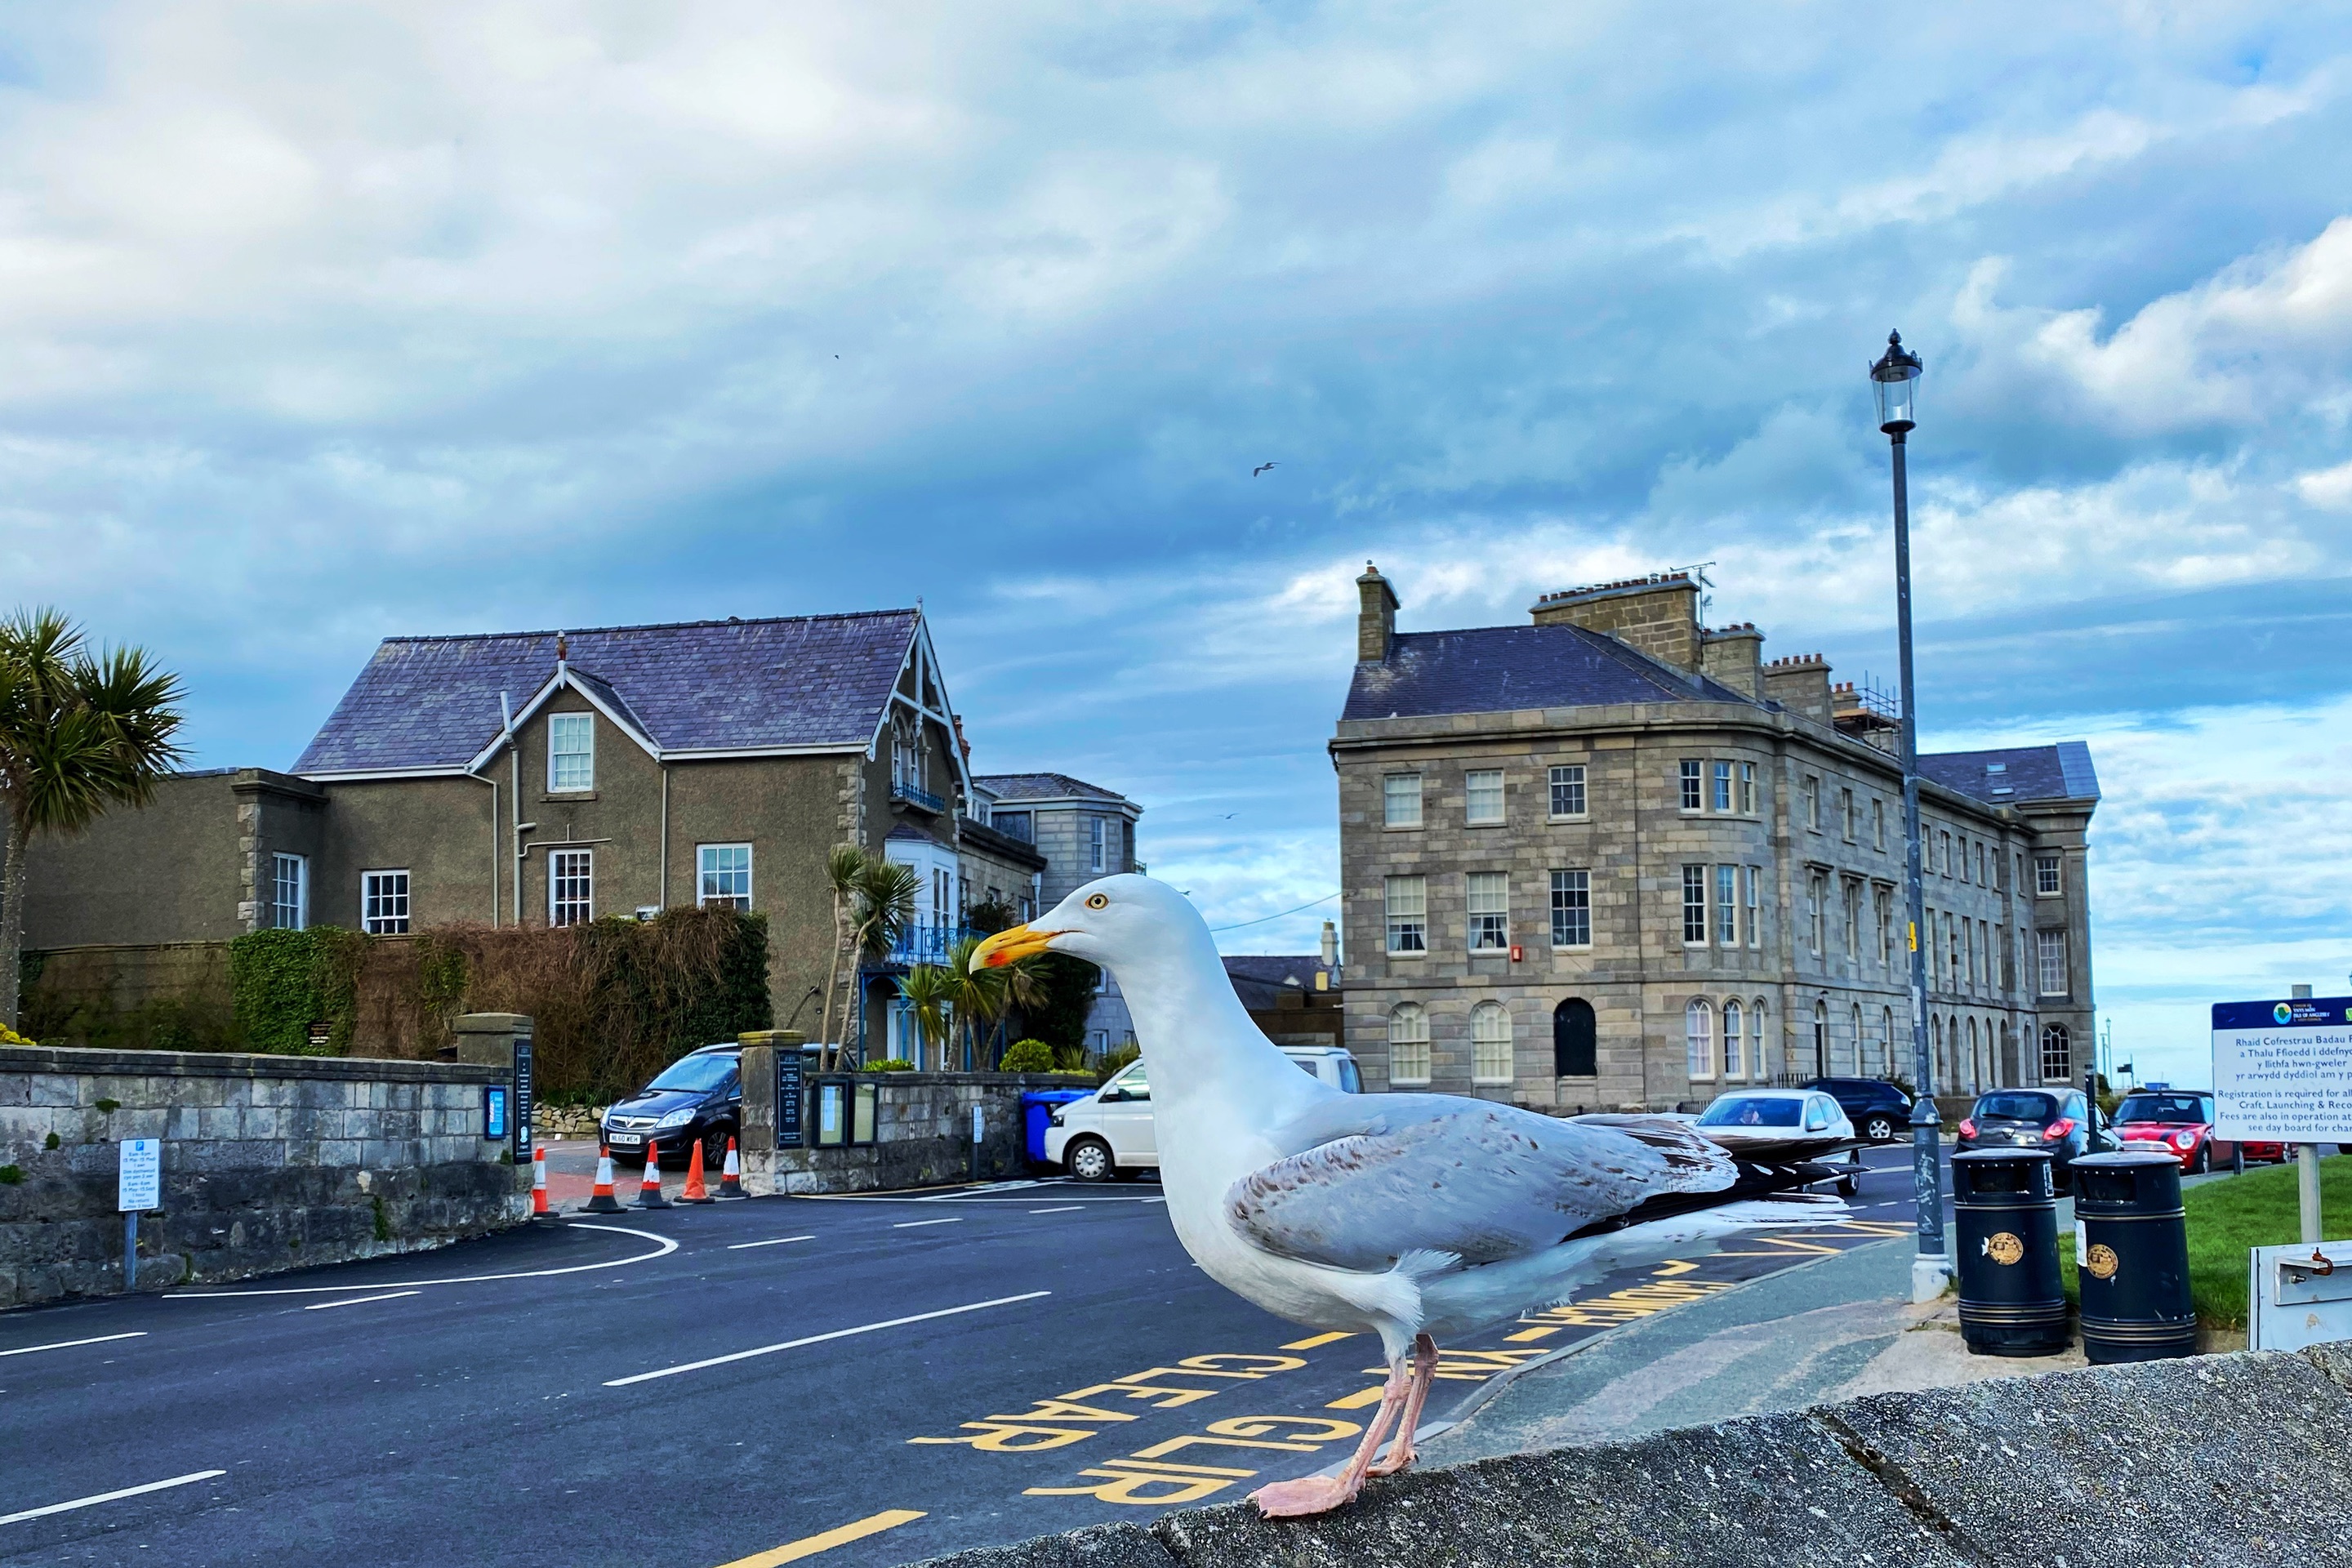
pixel 1010 946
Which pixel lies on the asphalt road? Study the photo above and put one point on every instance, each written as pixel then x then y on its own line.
pixel 849 1381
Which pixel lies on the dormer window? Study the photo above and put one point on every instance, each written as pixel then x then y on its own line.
pixel 570 752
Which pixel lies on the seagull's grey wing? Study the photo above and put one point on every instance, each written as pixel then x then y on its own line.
pixel 1377 1176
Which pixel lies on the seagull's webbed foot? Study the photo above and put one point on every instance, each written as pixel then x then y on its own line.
pixel 1320 1494
pixel 1402 1454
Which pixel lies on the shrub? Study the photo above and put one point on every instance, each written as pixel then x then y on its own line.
pixel 1110 1062
pixel 11 1174
pixel 282 982
pixel 889 1064
pixel 1070 988
pixel 1028 1056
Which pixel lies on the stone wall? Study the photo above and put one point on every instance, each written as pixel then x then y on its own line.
pixel 2245 1463
pixel 922 1131
pixel 269 1163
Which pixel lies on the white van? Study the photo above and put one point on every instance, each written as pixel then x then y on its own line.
pixel 1108 1133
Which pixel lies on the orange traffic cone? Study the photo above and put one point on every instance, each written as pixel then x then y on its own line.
pixel 538 1180
pixel 601 1199
pixel 695 1193
pixel 731 1177
pixel 649 1195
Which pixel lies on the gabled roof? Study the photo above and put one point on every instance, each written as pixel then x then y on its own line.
pixel 2058 772
pixel 1013 788
pixel 803 682
pixel 1258 978
pixel 1493 670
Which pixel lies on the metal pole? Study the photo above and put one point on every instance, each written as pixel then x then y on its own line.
pixel 2307 1190
pixel 131 1250
pixel 1930 1268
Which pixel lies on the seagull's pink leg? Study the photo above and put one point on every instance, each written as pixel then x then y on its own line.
pixel 1424 1371
pixel 1319 1494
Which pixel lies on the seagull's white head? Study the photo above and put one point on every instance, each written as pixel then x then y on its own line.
pixel 1115 921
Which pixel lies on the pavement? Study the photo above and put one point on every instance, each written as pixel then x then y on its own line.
pixel 857 1379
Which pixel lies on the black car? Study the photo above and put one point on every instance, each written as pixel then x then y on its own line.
pixel 1880 1111
pixel 2057 1120
pixel 697 1097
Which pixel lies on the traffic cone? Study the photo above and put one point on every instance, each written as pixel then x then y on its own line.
pixel 731 1177
pixel 601 1199
pixel 695 1193
pixel 538 1180
pixel 649 1190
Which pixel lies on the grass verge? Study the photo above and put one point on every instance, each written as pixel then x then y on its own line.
pixel 2229 1218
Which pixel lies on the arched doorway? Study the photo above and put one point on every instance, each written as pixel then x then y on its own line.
pixel 1821 1039
pixel 1575 1040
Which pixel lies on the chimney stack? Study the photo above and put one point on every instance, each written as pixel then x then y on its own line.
pixel 1376 617
pixel 1657 614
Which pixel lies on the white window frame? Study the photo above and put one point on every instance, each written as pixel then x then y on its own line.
pixel 1817 895
pixel 1720 786
pixel 1755 901
pixel 704 897
pixel 2053 884
pixel 1483 787
pixel 1727 906
pixel 560 870
pixel 1567 784
pixel 1408 1043
pixel 1748 789
pixel 1095 845
pixel 1756 1013
pixel 1694 906
pixel 1400 800
pixel 2050 962
pixel 1878 823
pixel 1691 780
pixel 1406 902
pixel 1734 1066
pixel 1493 1057
pixel 289 874
pixel 1698 1039
pixel 1810 794
pixel 1848 821
pixel 1571 898
pixel 2056 1038
pixel 1488 903
pixel 379 894
pixel 1850 890
pixel 560 725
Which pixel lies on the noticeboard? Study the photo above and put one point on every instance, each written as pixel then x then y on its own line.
pixel 2283 1070
pixel 140 1185
pixel 788 1097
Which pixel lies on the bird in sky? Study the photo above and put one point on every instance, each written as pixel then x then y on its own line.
pixel 1413 1216
pixel 1259 469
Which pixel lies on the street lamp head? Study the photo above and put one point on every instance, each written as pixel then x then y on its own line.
pixel 1895 383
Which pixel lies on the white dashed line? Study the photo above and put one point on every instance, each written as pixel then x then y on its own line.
pixel 1066 1208
pixel 815 1340
pixel 68 1344
pixel 94 1500
pixel 911 1224
pixel 771 1241
pixel 358 1300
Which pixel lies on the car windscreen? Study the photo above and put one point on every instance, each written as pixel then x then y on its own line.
pixel 1350 1081
pixel 2161 1108
pixel 2018 1106
pixel 696 1074
pixel 1752 1110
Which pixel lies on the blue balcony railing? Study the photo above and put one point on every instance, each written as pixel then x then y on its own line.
pixel 927 944
pixel 901 790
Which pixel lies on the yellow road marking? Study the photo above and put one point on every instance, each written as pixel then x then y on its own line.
pixel 809 1545
pixel 1671 1267
pixel 1526 1336
pixel 1317 1340
pixel 1358 1401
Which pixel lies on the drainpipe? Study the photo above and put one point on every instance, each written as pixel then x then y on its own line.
pixel 662 899
pixel 514 775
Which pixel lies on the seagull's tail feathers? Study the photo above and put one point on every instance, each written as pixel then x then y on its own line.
pixel 1652 1241
pixel 1692 1162
pixel 1423 1262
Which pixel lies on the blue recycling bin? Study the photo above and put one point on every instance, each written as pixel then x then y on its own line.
pixel 1037 1107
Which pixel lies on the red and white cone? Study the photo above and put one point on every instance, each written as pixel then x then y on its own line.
pixel 538 1180
pixel 601 1199
pixel 730 1176
pixel 649 1195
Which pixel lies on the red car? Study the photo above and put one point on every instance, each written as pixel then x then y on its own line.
pixel 2181 1123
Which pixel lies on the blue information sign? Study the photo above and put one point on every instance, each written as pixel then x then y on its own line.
pixel 494 1110
pixel 2282 1069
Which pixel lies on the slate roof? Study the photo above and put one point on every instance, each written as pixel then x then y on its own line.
pixel 1014 788
pixel 1491 670
pixel 2059 772
pixel 1258 978
pixel 803 680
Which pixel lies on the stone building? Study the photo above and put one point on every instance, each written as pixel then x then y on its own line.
pixel 1614 857
pixel 1082 831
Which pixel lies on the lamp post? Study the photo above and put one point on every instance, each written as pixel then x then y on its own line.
pixel 1893 384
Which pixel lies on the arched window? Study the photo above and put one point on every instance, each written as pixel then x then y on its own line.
pixel 1821 1039
pixel 1861 1053
pixel 1936 1054
pixel 1733 1066
pixel 1976 1063
pixel 1490 1044
pixel 1756 1062
pixel 1698 1038
pixel 1408 1043
pixel 1886 1034
pixel 1575 1039
pixel 2057 1054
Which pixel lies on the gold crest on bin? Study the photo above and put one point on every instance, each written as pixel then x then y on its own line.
pixel 2103 1261
pixel 2003 1247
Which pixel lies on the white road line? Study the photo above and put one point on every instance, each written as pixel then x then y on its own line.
pixel 108 1497
pixel 1066 1208
pixel 355 1300
pixel 771 1241
pixel 68 1344
pixel 664 1250
pixel 911 1224
pixel 820 1339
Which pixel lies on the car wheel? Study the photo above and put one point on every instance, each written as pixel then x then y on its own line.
pixel 1850 1187
pixel 1088 1159
pixel 1879 1129
pixel 714 1150
pixel 2203 1162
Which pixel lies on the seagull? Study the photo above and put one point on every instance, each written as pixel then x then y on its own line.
pixel 1413 1216
pixel 1259 469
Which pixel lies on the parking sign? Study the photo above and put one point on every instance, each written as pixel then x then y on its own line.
pixel 140 1185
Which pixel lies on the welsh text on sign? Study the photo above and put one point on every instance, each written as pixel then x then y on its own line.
pixel 141 1184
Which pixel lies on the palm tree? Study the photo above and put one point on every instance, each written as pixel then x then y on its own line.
pixel 882 906
pixel 986 997
pixel 79 733
pixel 931 990
pixel 842 870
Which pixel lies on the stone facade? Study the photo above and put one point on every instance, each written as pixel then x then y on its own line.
pixel 1084 831
pixel 269 1163
pixel 1715 860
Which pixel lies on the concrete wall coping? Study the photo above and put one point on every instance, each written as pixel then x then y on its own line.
pixel 986 1079
pixel 237 1064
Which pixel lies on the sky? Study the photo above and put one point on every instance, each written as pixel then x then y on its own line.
pixel 328 323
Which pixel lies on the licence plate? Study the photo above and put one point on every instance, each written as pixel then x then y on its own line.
pixel 623 1138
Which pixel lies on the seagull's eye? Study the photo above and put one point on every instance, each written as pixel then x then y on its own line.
pixel 1100 901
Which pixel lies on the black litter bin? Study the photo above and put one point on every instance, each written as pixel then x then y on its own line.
pixel 2135 1266
pixel 2006 1220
